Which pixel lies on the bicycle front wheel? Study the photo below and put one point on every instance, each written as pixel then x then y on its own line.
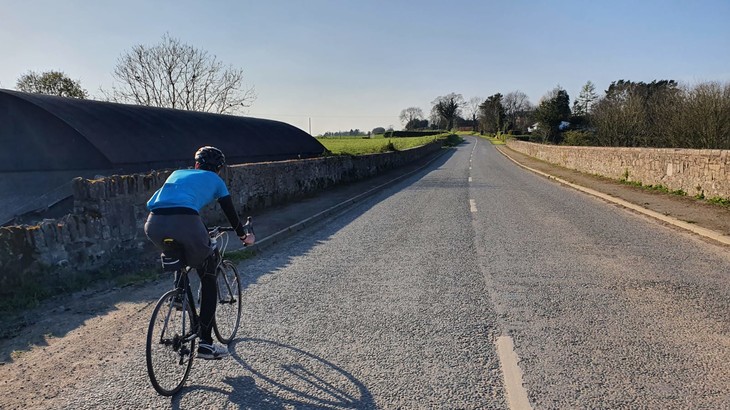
pixel 170 344
pixel 228 311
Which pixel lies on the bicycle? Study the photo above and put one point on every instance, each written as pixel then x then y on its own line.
pixel 173 329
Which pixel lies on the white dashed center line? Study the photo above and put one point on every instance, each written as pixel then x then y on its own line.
pixel 473 205
pixel 516 393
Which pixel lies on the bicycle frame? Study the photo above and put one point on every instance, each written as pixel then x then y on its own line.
pixel 176 316
pixel 182 284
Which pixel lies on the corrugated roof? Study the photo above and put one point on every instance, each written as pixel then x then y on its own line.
pixel 41 132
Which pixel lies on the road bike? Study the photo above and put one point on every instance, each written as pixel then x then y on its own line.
pixel 173 331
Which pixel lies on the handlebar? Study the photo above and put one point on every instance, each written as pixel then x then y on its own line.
pixel 248 228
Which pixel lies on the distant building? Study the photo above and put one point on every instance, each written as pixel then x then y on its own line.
pixel 564 125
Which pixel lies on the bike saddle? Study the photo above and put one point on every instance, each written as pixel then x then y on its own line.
pixel 172 256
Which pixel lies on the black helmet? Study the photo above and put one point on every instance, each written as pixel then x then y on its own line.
pixel 210 158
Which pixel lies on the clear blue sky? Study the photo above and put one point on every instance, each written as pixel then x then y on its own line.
pixel 357 63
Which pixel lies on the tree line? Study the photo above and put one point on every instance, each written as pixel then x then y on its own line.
pixel 660 113
pixel 352 133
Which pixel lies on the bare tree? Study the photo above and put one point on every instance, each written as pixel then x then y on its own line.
pixel 51 83
pixel 515 103
pixel 409 114
pixel 472 110
pixel 701 117
pixel 176 75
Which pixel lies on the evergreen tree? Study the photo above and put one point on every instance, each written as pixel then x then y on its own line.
pixel 553 109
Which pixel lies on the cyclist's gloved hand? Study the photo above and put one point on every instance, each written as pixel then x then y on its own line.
pixel 248 239
pixel 245 233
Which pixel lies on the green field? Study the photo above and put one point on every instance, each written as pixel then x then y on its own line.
pixel 360 146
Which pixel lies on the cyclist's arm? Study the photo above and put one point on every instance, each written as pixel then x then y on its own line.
pixel 229 210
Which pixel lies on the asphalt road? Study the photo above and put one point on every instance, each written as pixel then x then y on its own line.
pixel 398 303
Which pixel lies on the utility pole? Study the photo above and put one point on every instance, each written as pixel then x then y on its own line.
pixel 310 125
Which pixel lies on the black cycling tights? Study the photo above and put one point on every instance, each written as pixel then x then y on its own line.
pixel 208 296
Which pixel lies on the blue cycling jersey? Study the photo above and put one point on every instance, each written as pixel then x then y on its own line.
pixel 189 188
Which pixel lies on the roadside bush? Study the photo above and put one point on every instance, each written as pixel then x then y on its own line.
pixel 663 114
pixel 578 138
pixel 389 147
pixel 402 134
pixel 453 140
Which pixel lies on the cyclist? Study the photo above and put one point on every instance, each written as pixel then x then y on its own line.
pixel 174 213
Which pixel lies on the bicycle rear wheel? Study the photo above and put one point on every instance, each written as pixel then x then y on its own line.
pixel 170 345
pixel 228 311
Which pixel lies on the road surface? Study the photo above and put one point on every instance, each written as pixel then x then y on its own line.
pixel 472 284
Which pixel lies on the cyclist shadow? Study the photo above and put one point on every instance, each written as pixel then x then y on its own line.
pixel 245 393
pixel 284 376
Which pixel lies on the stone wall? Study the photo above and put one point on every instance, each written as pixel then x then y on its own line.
pixel 106 226
pixel 692 171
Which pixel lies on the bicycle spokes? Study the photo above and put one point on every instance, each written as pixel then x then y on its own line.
pixel 170 344
pixel 227 314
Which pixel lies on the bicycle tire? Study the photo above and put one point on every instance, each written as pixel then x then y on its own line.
pixel 228 312
pixel 169 356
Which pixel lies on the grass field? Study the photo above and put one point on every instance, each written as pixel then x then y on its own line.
pixel 360 146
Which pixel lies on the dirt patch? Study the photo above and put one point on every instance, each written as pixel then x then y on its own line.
pixel 54 339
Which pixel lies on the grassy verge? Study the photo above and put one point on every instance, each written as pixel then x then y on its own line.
pixel 362 146
pixel 724 202
pixel 719 201
pixel 240 255
pixel 47 284
pixel 659 188
pixel 494 140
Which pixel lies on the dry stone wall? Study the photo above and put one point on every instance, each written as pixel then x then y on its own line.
pixel 106 226
pixel 693 171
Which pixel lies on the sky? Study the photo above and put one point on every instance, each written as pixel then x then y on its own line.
pixel 355 64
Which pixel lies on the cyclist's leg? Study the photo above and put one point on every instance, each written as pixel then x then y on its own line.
pixel 208 303
pixel 190 231
pixel 208 298
pixel 200 255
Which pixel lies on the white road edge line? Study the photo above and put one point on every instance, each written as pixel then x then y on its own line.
pixel 473 205
pixel 707 233
pixel 516 393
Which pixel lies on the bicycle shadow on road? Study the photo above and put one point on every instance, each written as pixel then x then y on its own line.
pixel 284 376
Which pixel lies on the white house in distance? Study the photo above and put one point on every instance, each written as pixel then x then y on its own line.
pixel 534 127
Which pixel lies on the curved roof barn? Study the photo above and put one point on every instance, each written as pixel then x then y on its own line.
pixel 41 132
